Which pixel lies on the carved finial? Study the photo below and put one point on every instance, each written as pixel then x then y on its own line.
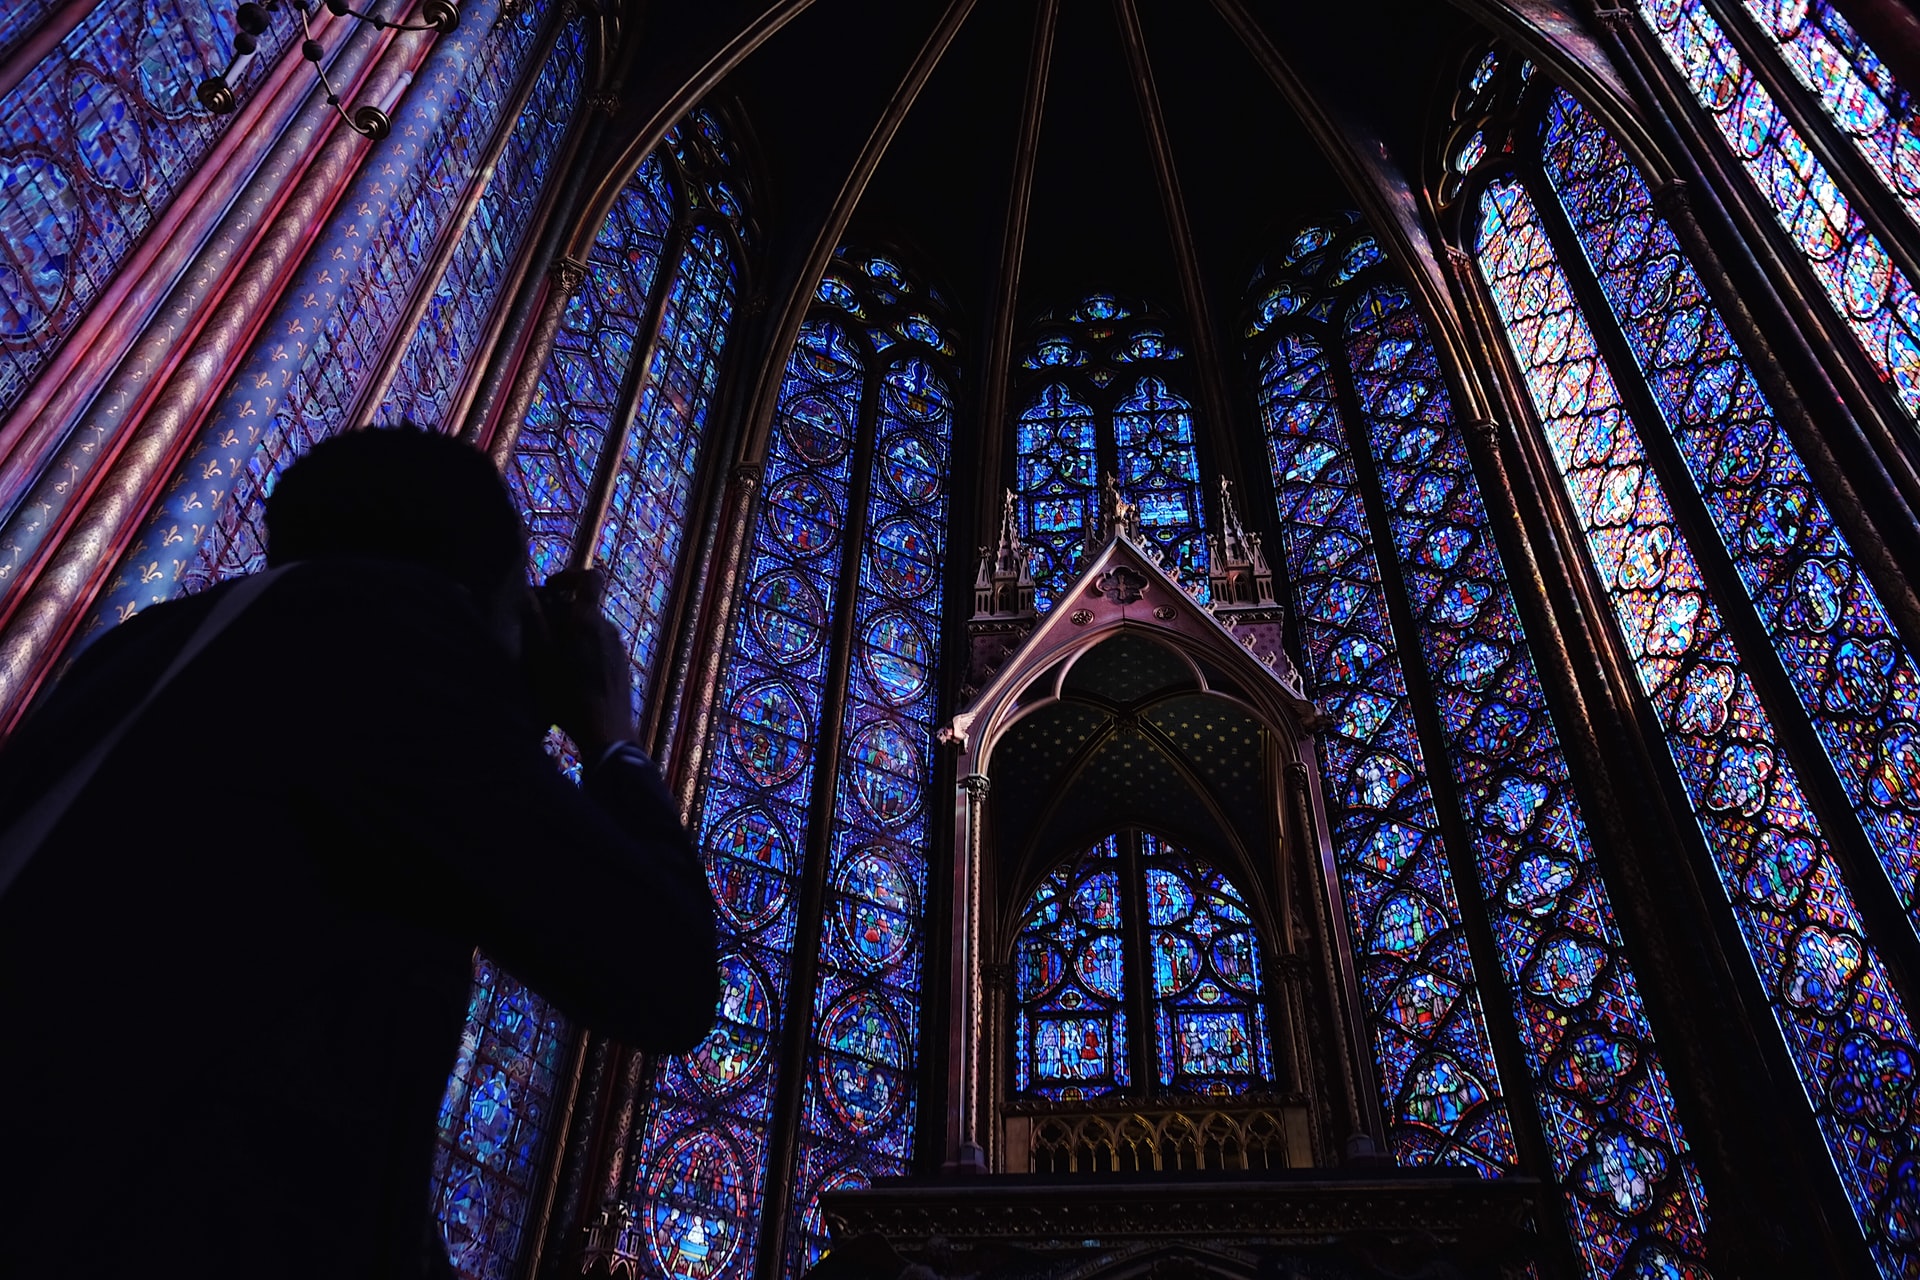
pixel 1003 585
pixel 1114 517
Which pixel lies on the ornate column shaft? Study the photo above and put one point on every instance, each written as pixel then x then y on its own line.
pixel 564 279
pixel 61 482
pixel 51 610
pixel 272 127
pixel 964 1100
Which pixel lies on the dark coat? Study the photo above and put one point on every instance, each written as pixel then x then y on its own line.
pixel 233 981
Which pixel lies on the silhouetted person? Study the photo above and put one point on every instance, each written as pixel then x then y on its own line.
pixel 233 977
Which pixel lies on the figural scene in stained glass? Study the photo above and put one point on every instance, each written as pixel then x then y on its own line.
pixel 1829 989
pixel 1209 1011
pixel 1099 394
pixel 1070 1034
pixel 869 372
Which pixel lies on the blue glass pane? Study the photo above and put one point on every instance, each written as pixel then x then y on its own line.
pixel 1209 981
pixel 1829 990
pixel 1160 474
pixel 95 141
pixel 1070 982
pixel 858 1108
pixel 1873 296
pixel 1058 486
pixel 1855 89
pixel 641 541
pixel 437 359
pixel 1439 1085
pixel 495 1123
pixel 1604 1102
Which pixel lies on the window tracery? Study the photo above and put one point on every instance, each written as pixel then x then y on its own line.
pixel 1077 977
pixel 1732 753
pixel 1353 396
pixel 1101 399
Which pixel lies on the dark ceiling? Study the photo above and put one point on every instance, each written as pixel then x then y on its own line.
pixel 809 98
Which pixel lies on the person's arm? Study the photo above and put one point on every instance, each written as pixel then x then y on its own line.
pixel 597 899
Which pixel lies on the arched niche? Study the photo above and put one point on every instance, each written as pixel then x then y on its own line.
pixel 1130 707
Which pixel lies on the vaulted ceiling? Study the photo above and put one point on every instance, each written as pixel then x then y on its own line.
pixel 1247 165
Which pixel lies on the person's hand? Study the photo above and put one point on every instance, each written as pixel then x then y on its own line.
pixel 580 669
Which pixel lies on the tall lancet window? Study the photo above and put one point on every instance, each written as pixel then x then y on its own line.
pixel 607 400
pixel 814 819
pixel 1134 951
pixel 1797 150
pixel 1758 636
pixel 1099 396
pixel 1442 735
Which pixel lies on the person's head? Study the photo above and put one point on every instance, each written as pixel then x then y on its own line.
pixel 403 494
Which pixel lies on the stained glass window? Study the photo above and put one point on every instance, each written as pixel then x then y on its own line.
pixel 436 361
pixel 495 1123
pixel 858 1110
pixel 1604 1101
pixel 1827 986
pixel 1209 984
pixel 640 542
pixel 1077 974
pixel 325 388
pixel 865 374
pixel 1101 399
pixel 1872 294
pixel 1441 1090
pixel 1853 674
pixel 1853 86
pixel 1070 1033
pixel 94 143
pixel 579 390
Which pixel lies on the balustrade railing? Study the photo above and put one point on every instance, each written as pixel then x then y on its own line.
pixel 1165 1136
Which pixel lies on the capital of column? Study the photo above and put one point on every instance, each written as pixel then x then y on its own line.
pixel 746 477
pixel 1486 432
pixel 1297 775
pixel 568 275
pixel 977 785
pixel 999 977
pixel 1673 198
pixel 604 102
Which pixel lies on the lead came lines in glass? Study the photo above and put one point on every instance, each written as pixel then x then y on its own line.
pixel 1829 991
pixel 1854 676
pixel 573 403
pixel 1852 85
pixel 1604 1101
pixel 1874 297
pixel 1439 1084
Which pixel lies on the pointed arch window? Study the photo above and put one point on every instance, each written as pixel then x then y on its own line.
pixel 1680 477
pixel 1135 951
pixel 1444 760
pixel 821 757
pixel 1871 290
pixel 1099 396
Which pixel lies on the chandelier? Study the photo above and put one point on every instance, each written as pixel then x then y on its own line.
pixel 250 20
